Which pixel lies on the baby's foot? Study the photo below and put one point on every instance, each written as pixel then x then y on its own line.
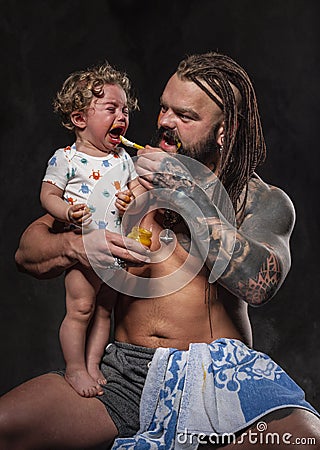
pixel 83 383
pixel 96 374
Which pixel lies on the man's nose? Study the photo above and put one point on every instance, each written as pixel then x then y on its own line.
pixel 167 120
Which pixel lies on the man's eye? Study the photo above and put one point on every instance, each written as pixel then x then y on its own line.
pixel 163 108
pixel 184 117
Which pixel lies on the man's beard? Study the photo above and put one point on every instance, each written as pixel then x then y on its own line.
pixel 204 151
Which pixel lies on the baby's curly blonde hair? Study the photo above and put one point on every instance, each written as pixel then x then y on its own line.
pixel 80 87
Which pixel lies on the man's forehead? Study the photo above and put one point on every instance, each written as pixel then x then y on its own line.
pixel 186 95
pixel 200 87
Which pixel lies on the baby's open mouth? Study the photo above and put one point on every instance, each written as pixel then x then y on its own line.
pixel 116 131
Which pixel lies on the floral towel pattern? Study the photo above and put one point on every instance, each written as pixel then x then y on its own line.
pixel 219 388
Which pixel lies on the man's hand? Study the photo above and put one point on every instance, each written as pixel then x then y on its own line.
pixel 100 247
pixel 45 251
pixel 159 169
pixel 148 164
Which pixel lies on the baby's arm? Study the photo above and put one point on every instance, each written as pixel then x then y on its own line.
pixel 139 211
pixel 124 198
pixel 51 199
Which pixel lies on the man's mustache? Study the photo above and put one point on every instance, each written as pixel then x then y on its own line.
pixel 170 136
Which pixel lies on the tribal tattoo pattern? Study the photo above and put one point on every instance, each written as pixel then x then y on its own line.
pixel 267 280
pixel 240 262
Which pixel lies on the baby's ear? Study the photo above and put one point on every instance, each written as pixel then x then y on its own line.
pixel 78 118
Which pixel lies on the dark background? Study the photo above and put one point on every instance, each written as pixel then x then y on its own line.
pixel 277 42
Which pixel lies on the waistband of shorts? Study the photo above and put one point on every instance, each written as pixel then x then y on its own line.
pixel 133 348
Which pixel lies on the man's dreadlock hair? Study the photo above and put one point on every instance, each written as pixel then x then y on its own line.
pixel 244 146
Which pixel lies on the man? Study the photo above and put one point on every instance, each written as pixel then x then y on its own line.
pixel 208 112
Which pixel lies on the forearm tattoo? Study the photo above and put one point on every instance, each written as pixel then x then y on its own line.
pixel 184 241
pixel 172 175
pixel 264 284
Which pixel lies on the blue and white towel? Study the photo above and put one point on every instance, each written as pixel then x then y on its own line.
pixel 217 388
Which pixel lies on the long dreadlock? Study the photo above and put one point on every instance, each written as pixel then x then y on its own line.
pixel 244 146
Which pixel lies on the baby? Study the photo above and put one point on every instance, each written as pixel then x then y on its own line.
pixel 95 105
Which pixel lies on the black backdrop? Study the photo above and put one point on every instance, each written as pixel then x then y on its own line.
pixel 277 42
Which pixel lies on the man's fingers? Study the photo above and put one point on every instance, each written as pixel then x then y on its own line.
pixel 145 183
pixel 148 150
pixel 133 257
pixel 122 246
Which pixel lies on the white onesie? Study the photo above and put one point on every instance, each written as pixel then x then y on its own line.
pixel 92 180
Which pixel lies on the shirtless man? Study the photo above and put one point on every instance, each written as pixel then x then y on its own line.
pixel 208 112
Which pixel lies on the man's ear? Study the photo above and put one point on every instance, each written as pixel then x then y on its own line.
pixel 220 134
pixel 78 118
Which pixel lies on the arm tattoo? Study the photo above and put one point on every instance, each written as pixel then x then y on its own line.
pixel 251 271
pixel 173 176
pixel 184 241
pixel 264 284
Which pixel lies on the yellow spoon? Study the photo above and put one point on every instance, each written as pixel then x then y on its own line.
pixel 128 143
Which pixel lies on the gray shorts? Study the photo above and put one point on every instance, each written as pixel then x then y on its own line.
pixel 125 367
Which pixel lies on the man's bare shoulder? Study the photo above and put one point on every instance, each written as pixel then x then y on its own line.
pixel 268 205
pixel 262 194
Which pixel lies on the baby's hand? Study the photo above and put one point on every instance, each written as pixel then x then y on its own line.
pixel 79 214
pixel 124 198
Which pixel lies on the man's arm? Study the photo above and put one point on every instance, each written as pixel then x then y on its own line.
pixel 43 251
pixel 261 258
pixel 46 252
pixel 255 259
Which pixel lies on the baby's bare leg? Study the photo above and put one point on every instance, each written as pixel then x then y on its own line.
pixel 81 289
pixel 100 331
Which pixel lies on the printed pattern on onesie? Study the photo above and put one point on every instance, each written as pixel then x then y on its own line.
pixel 92 180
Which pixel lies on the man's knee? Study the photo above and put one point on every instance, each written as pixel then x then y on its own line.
pixel 10 431
pixel 294 420
pixel 285 428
